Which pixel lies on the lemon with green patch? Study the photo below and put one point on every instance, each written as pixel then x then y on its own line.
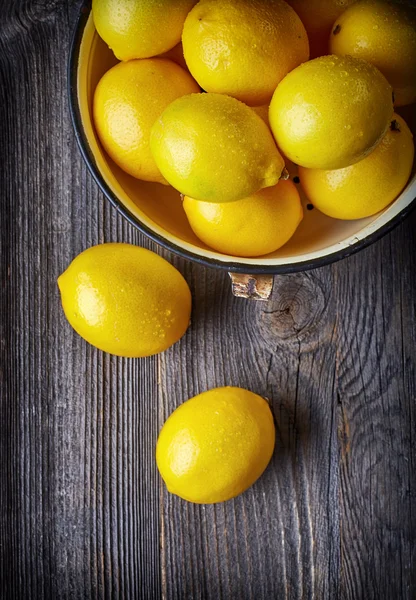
pixel 214 148
pixel 331 112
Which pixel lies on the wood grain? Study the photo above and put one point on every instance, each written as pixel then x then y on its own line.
pixel 271 541
pixel 83 513
pixel 79 493
pixel 377 393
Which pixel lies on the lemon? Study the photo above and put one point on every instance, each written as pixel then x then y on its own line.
pixel 318 17
pixel 370 185
pixel 243 48
pixel 127 101
pixel 263 112
pixel 214 148
pixel 215 445
pixel 256 225
pixel 331 112
pixel 140 28
pixel 125 300
pixel 384 33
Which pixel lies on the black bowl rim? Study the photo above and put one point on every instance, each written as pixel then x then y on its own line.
pixel 205 261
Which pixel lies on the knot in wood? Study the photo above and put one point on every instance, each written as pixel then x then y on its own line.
pixel 296 308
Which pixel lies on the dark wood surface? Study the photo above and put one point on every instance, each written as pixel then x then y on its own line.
pixel 83 513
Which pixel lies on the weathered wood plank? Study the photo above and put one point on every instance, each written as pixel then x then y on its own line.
pixel 79 492
pixel 80 499
pixel 332 350
pixel 376 295
pixel 281 538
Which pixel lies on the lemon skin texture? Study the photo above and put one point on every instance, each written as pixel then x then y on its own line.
pixel 331 112
pixel 125 300
pixel 254 226
pixel 127 101
pixel 370 185
pixel 140 28
pixel 216 445
pixel 383 33
pixel 243 48
pixel 212 147
pixel 318 17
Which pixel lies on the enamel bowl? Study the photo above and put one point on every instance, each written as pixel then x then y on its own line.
pixel 157 211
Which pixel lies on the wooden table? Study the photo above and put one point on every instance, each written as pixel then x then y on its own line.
pixel 83 513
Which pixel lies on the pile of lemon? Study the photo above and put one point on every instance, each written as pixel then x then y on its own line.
pixel 214 98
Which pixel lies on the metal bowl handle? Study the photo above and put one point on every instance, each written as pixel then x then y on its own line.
pixel 254 287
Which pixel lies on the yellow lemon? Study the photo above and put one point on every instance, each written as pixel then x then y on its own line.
pixel 256 225
pixel 127 101
pixel 331 112
pixel 243 48
pixel 125 300
pixel 214 148
pixel 140 28
pixel 368 186
pixel 384 33
pixel 318 17
pixel 215 445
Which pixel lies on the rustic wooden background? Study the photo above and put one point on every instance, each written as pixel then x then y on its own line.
pixel 83 513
